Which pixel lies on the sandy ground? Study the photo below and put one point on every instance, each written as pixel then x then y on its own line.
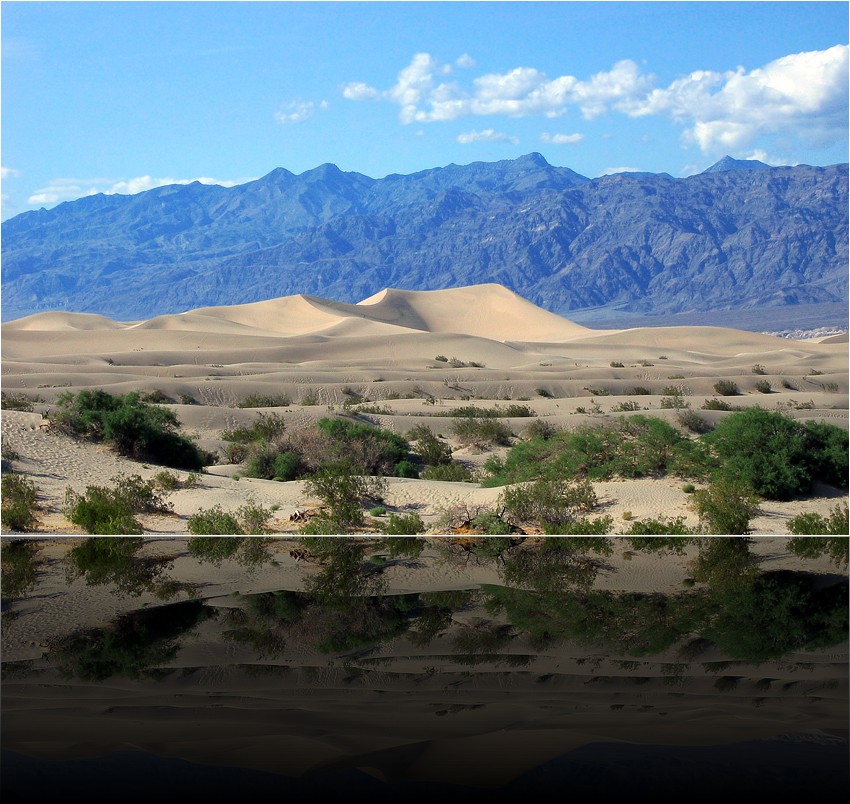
pixel 384 349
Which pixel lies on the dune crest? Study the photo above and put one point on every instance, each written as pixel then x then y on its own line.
pixel 488 311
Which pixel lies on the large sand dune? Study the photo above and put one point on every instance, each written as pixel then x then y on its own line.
pixel 414 354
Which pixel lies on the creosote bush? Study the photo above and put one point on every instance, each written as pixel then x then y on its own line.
pixel 551 504
pixel 19 502
pixel 726 388
pixel 133 427
pixel 109 511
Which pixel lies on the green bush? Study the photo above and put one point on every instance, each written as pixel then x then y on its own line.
pixel 108 511
pixel 550 503
pixel 726 388
pixel 373 450
pixel 15 402
pixel 777 456
pixel 19 502
pixel 817 525
pixel 453 471
pixel 726 506
pixel 716 404
pixel 133 427
pixel 265 427
pixel 430 449
pixel 491 524
pixel 343 490
pixel 639 446
pixel 265 401
pixel 481 432
pixel 660 526
pixel 404 525
pixel 214 521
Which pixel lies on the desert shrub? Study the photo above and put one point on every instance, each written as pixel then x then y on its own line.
pixel 342 489
pixel 429 447
pixel 691 420
pixel 689 488
pixel 441 359
pixel 265 401
pixel 474 412
pixel 266 427
pixel 639 390
pixel 550 503
pixel 616 364
pixel 483 431
pixel 214 521
pixel 156 397
pixel 378 510
pixel 261 464
pixel 454 472
pixel 406 469
pixel 817 525
pixel 133 427
pixel 542 392
pixel 187 399
pixel 287 466
pixel 403 525
pixel 726 506
pixel 168 481
pixel 777 456
pixel 726 388
pixel 236 452
pixel 19 502
pixel 826 448
pixel 715 404
pixel 583 526
pixel 491 524
pixel 540 429
pixel 763 386
pixel 758 368
pixel 639 446
pixel 102 512
pixel 660 526
pixel 373 450
pixel 310 398
pixel 106 511
pixel 15 402
pixel 624 407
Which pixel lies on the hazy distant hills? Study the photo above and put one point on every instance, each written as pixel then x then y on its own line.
pixel 739 235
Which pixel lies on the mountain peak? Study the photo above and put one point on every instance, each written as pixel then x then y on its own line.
pixel 533 159
pixel 728 163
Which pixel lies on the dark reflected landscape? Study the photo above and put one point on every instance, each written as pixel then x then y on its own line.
pixel 489 666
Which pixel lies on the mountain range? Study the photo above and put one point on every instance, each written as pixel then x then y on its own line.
pixel 740 235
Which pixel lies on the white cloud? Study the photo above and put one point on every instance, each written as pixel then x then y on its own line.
pixel 561 139
pixel 611 170
pixel 357 90
pixel 298 111
pixel 70 189
pixel 487 135
pixel 520 92
pixel 799 98
pixel 8 172
pixel 802 96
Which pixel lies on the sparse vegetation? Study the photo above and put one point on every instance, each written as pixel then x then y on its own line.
pixel 106 511
pixel 134 428
pixel 726 388
pixel 817 525
pixel 19 495
pixel 265 401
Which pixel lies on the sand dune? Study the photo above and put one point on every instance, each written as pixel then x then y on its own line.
pixel 310 355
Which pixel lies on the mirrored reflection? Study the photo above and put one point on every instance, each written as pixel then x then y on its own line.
pixel 486 666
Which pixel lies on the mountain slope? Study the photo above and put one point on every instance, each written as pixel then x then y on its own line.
pixel 738 235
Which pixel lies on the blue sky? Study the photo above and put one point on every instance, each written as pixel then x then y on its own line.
pixel 124 96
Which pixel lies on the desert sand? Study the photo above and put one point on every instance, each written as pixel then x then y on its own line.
pixel 321 355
